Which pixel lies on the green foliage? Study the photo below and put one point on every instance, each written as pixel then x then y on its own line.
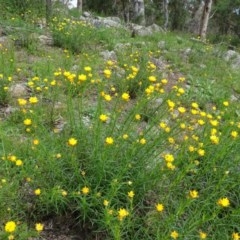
pixel 144 146
pixel 24 9
pixel 78 36
pixel 227 17
pixel 178 14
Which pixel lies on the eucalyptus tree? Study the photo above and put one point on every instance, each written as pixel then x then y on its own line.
pixel 79 5
pixel 205 19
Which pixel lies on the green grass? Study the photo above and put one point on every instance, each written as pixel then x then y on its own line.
pixel 172 142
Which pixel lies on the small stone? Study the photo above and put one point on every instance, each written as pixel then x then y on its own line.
pixel 18 90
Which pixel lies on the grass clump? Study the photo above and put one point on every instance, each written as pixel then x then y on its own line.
pixel 120 149
pixel 74 35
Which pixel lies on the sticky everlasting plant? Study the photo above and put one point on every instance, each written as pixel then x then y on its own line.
pixel 120 148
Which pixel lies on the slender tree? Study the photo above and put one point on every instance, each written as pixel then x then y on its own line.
pixel 166 13
pixel 205 19
pixel 195 22
pixel 48 10
pixel 139 11
pixel 79 5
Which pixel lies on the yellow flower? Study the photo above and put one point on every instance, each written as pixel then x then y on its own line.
pixel 214 123
pixel 88 69
pixel 10 237
pixel 82 77
pixel 137 116
pixel 125 136
pixel 85 190
pixel 164 81
pixel 226 103
pixel 107 97
pixel 201 152
pixel 170 166
pixel 37 191
pixel 52 83
pixel 171 140
pixel 125 96
pixel 107 73
pixel 159 207
pixel 110 63
pixel 64 193
pixel 109 140
pixel 181 79
pixel 171 104
pixel 22 102
pixel 195 105
pixel 174 234
pixel 214 139
pixel 162 125
pixel 19 162
pixel 152 66
pixel 72 142
pixel 33 100
pixel 105 203
pixel 35 141
pixel 142 141
pixel 152 79
pixel 213 131
pixel 236 236
pixel 39 227
pixel 131 194
pixel 223 202
pixel 193 194
pixel 169 157
pixel 12 158
pixel 202 235
pixel 181 91
pixel 10 226
pixel 191 148
pixel 167 129
pixel 234 134
pixel 27 122
pixel 182 125
pixel 182 109
pixel 122 213
pixel 201 122
pixel 194 111
pixel 103 117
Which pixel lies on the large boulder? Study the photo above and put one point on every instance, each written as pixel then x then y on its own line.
pixel 233 58
pixel 46 40
pixel 138 30
pixel 101 21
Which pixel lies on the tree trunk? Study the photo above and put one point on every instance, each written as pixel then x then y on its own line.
pixel 48 10
pixel 195 22
pixel 126 10
pixel 139 11
pixel 166 13
pixel 79 5
pixel 205 19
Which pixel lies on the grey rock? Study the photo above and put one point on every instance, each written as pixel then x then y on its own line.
pixel 18 90
pixel 115 19
pixel 75 68
pixel 146 31
pixel 86 14
pixel 161 44
pixel 233 58
pixel 3 39
pixel 121 46
pixel 45 40
pixel 108 55
pixel 233 98
pixel 107 22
